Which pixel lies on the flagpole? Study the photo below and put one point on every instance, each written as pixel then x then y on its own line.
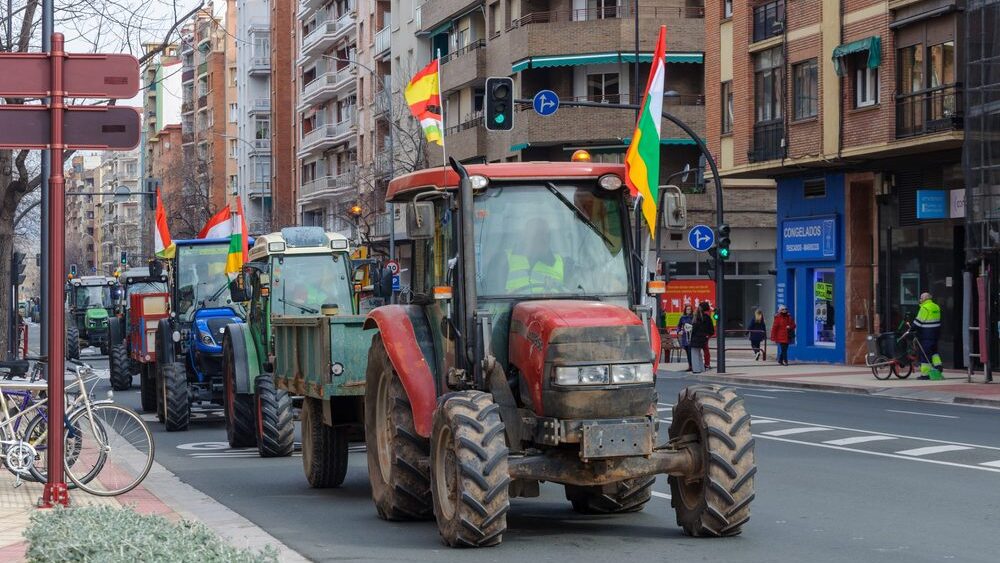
pixel 441 100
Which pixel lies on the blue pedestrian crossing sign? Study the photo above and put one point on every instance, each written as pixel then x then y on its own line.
pixel 546 102
pixel 701 237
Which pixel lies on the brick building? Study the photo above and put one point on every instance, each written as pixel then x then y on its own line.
pixel 284 129
pixel 853 109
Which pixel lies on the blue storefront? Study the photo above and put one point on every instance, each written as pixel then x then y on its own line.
pixel 810 264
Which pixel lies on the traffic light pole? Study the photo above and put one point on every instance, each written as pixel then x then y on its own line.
pixel 720 275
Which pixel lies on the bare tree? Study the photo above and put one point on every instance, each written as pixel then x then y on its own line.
pixel 187 205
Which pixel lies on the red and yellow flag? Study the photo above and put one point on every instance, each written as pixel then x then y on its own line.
pixel 423 95
pixel 163 245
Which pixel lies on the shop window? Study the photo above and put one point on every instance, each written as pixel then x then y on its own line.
pixel 824 317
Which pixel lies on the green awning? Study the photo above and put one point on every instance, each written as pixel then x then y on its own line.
pixel 871 46
pixel 518 147
pixel 600 58
pixel 698 58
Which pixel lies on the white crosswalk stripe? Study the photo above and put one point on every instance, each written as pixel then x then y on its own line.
pixel 791 431
pixel 659 494
pixel 933 450
pixel 858 440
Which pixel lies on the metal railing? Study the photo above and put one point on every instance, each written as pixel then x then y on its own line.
pixel 472 46
pixel 259 188
pixel 187 75
pixel 607 13
pixel 470 121
pixel 382 40
pixel 768 142
pixel 339 182
pixel 260 64
pixel 329 27
pixel 203 68
pixel 930 111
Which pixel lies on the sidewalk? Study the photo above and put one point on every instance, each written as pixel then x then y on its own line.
pixel 853 379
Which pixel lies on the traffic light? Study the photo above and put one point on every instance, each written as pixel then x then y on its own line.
pixel 499 103
pixel 124 259
pixel 72 270
pixel 711 262
pixel 152 184
pixel 722 241
pixel 18 268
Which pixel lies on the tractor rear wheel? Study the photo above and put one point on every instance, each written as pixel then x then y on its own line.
pixel 241 415
pixel 121 376
pixel 630 495
pixel 72 343
pixel 398 457
pixel 324 448
pixel 469 478
pixel 275 425
pixel 147 387
pixel 176 402
pixel 716 501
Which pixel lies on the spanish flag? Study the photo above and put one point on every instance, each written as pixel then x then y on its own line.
pixel 642 160
pixel 163 245
pixel 238 242
pixel 423 95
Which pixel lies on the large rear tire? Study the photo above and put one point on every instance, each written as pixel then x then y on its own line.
pixel 147 387
pixel 398 457
pixel 630 495
pixel 176 403
pixel 324 448
pixel 121 376
pixel 469 478
pixel 241 415
pixel 72 343
pixel 715 502
pixel 275 425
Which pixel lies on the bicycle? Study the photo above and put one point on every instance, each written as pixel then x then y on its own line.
pixel 886 359
pixel 108 449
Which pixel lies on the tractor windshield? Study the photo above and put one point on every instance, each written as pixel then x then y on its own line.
pixel 550 239
pixel 92 297
pixel 301 284
pixel 201 278
pixel 145 287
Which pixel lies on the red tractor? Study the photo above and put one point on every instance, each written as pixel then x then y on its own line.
pixel 528 354
pixel 147 302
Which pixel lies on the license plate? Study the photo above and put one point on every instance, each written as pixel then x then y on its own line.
pixel 603 440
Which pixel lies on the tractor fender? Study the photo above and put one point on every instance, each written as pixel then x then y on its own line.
pixel 166 349
pixel 246 362
pixel 407 338
pixel 115 330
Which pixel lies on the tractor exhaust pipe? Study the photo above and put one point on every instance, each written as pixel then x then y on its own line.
pixel 467 261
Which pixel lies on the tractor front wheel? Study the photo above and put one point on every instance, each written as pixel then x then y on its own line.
pixel 176 402
pixel 241 416
pixel 324 448
pixel 72 343
pixel 275 425
pixel 469 478
pixel 714 502
pixel 630 495
pixel 121 376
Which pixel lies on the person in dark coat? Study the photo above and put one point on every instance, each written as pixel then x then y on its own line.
pixel 684 325
pixel 756 331
pixel 782 333
pixel 701 331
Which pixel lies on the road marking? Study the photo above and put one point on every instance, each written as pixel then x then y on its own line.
pixel 857 440
pixel 762 421
pixel 667 420
pixel 790 431
pixel 663 409
pixel 758 396
pixel 922 413
pixel 933 450
pixel 665 404
pixel 879 454
pixel 991 463
pixel 149 417
pixel 659 494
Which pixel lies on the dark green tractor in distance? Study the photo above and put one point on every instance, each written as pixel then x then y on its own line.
pixel 91 308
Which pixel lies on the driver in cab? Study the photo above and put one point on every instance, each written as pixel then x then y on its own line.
pixel 534 268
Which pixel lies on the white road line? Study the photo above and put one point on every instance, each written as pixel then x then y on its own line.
pixel 858 440
pixel 665 404
pixel 933 450
pixel 667 420
pixel 790 431
pixel 991 463
pixel 754 420
pixel 659 494
pixel 922 413
pixel 879 454
pixel 758 396
pixel 663 409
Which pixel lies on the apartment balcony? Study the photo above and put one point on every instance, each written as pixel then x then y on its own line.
pixel 328 136
pixel 768 142
pixel 203 69
pixel 437 12
pixel 383 164
pixel 327 34
pixel 329 186
pixel 261 147
pixel 463 66
pixel 931 111
pixel 260 106
pixel 381 226
pixel 259 189
pixel 259 66
pixel 382 40
pixel 328 86
pixel 187 75
pixel 202 102
pixel 469 138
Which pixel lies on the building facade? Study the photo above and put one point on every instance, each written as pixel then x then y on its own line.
pixel 118 221
pixel 251 112
pixel 285 34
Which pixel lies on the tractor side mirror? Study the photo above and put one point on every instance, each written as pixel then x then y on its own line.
pixel 420 220
pixel 239 289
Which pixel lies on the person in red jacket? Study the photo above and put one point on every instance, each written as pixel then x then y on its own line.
pixel 782 333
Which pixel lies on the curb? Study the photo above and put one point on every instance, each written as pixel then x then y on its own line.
pixel 977 401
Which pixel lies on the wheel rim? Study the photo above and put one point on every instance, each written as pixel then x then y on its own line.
pixel 383 427
pixel 690 488
pixel 445 475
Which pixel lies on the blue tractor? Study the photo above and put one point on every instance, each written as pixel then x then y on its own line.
pixel 189 342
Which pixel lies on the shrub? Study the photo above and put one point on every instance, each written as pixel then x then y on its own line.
pixel 120 535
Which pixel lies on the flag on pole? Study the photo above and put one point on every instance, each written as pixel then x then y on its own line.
pixel 238 242
pixel 642 160
pixel 163 245
pixel 219 226
pixel 423 95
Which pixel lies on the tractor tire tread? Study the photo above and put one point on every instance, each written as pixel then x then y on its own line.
pixel 324 448
pixel 120 374
pixel 276 425
pixel 176 404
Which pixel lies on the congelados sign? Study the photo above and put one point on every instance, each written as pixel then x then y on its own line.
pixel 813 238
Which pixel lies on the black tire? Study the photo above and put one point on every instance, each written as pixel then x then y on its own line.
pixel 275 424
pixel 883 368
pixel 105 349
pixel 898 372
pixel 72 342
pixel 121 376
pixel 630 495
pixel 240 408
pixel 469 478
pixel 716 502
pixel 398 457
pixel 176 402
pixel 324 448
pixel 147 387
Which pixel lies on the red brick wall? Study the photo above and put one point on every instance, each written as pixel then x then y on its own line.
pixel 865 126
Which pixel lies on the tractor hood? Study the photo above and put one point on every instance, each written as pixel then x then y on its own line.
pixel 97 313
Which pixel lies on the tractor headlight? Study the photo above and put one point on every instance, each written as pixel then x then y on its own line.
pixel 632 373
pixel 207 339
pixel 582 375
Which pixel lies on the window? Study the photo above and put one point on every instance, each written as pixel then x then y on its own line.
pixel 768 85
pixel 727 107
pixel 941 64
pixel 865 86
pixel 262 128
pixel 603 87
pixel 603 9
pixel 234 149
pixel 232 76
pixel 727 9
pixel 806 89
pixel 495 18
pixel 824 315
pixel 233 113
pixel 768 20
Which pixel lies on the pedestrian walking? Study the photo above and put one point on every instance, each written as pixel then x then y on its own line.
pixel 928 325
pixel 701 331
pixel 783 333
pixel 756 331
pixel 684 326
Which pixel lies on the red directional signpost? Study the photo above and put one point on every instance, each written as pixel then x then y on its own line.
pixel 58 75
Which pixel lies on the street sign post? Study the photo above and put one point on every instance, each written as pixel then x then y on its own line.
pixel 545 102
pixel 88 128
pixel 29 75
pixel 701 238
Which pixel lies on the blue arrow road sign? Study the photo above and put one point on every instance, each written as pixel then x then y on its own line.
pixel 546 102
pixel 701 237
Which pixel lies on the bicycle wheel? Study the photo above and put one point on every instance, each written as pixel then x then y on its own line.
pixel 37 434
pixel 116 450
pixel 883 368
pixel 909 369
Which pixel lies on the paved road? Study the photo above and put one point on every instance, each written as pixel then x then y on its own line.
pixel 842 478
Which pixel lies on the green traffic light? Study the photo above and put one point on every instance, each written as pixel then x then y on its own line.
pixel 724 252
pixel 499 119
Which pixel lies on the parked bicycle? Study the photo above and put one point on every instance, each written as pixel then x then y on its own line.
pixel 108 449
pixel 892 354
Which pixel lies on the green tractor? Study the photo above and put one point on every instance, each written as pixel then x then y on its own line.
pixel 91 308
pixel 302 337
